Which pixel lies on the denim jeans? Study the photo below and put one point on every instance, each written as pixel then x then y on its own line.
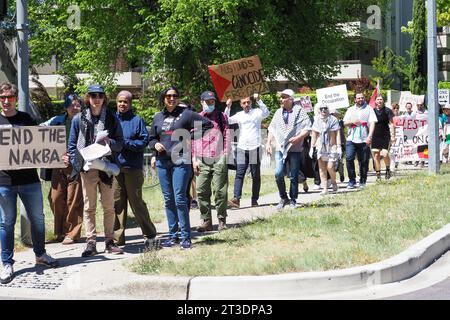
pixel 174 179
pixel 292 163
pixel 361 151
pixel 31 196
pixel 244 159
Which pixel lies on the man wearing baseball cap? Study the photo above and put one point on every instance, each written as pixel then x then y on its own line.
pixel 209 160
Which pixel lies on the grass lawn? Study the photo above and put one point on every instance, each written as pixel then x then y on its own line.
pixel 341 231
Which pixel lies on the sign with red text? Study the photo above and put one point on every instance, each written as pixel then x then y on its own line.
pixel 411 138
pixel 32 147
pixel 238 79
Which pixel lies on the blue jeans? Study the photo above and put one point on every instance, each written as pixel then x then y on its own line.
pixel 174 180
pixel 31 196
pixel 362 152
pixel 245 158
pixel 292 163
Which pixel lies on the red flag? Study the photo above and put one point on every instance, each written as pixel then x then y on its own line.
pixel 374 95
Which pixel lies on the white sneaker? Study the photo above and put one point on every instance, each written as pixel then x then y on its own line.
pixel 7 274
pixel 316 187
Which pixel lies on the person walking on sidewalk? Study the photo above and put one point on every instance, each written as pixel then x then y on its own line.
pixel 324 146
pixel 24 183
pixel 383 137
pixel 248 147
pixel 209 161
pixel 361 120
pixel 173 161
pixel 66 195
pixel 290 125
pixel 96 118
pixel 128 184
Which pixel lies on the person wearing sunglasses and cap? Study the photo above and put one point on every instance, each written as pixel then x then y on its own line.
pixel 324 146
pixel 66 195
pixel 94 119
pixel 23 183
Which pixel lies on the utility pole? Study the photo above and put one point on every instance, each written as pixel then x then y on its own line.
pixel 23 62
pixel 432 90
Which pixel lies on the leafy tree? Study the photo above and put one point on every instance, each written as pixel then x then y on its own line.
pixel 175 40
pixel 390 66
pixel 418 81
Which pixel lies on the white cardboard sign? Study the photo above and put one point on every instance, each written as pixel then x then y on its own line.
pixel 334 97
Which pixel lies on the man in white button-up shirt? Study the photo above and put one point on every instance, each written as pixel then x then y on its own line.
pixel 248 147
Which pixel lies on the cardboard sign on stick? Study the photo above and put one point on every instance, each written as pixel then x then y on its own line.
pixel 32 147
pixel 238 79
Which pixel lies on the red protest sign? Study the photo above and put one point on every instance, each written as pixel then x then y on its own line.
pixel 238 79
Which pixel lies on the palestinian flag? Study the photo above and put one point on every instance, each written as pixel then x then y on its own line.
pixel 374 95
pixel 422 151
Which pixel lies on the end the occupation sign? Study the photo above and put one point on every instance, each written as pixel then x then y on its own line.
pixel 238 79
pixel 32 147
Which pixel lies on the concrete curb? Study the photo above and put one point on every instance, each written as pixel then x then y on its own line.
pixel 301 285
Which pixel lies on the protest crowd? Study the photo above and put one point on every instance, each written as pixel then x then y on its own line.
pixel 104 155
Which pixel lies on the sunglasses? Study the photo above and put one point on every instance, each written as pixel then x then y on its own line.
pixel 96 95
pixel 323 109
pixel 168 96
pixel 7 97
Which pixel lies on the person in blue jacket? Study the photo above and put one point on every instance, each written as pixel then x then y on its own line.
pixel 131 178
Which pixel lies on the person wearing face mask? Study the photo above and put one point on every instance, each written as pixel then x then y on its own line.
pixel 209 160
pixel 324 145
pixel 249 146
pixel 66 195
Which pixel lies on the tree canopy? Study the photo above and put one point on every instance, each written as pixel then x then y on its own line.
pixel 175 40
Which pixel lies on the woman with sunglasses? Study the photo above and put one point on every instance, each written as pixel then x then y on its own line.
pixel 323 142
pixel 170 137
pixel 95 118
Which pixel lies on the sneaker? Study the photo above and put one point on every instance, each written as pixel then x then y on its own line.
pixel 194 204
pixel 185 244
pixel 362 185
pixel 68 240
pixel 111 247
pixel 254 203
pixel 222 224
pixel 292 204
pixel 282 203
pixel 351 185
pixel 206 226
pixel 152 244
pixel 234 203
pixel 7 273
pixel 317 187
pixel 169 242
pixel 47 260
pixel 91 249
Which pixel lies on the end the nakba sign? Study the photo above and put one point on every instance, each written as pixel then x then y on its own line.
pixel 32 147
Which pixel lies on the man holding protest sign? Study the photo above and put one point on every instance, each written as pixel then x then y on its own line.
pixel 87 127
pixel 249 146
pixel 361 120
pixel 24 183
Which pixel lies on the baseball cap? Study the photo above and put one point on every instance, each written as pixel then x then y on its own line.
pixel 69 99
pixel 208 95
pixel 288 92
pixel 95 88
pixel 447 106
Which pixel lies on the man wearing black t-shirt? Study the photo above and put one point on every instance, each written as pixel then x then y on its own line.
pixel 25 184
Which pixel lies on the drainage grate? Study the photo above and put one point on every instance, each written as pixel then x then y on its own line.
pixel 27 276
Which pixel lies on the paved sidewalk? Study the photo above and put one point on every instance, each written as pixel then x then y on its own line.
pixel 106 275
